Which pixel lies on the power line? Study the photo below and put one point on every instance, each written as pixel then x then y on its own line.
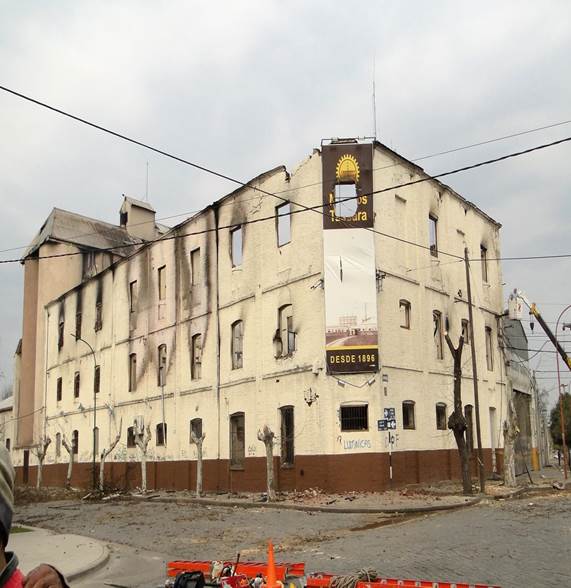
pixel 243 184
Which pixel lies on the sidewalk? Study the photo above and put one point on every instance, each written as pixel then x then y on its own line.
pixel 73 555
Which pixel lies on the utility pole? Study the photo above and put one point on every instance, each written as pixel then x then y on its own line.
pixel 481 472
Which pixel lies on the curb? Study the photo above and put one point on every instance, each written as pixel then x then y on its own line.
pixel 98 564
pixel 306 508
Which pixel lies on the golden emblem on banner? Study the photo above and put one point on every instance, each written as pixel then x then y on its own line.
pixel 347 170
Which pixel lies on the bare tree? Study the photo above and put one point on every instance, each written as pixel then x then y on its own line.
pixel 511 432
pixel 142 439
pixel 69 449
pixel 104 455
pixel 40 452
pixel 457 421
pixel 197 440
pixel 267 437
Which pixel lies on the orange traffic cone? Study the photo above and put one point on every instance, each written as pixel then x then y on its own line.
pixel 271 575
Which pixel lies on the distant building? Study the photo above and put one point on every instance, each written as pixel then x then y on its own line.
pixel 250 313
pixel 7 422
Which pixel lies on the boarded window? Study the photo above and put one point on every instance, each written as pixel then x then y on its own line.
pixel 283 223
pixel 441 423
pixel 132 372
pixel 96 379
pixel 484 263
pixel 162 365
pixel 437 333
pixel 161 434
pixel 237 440
pixel 133 296
pixel 78 316
pixel 287 435
pixel 489 349
pixel 196 357
pixel 404 310
pixel 75 442
pixel 98 316
pixel 354 418
pixel 237 345
pixel 195 428
pixel 162 280
pixel 59 389
pixel 236 246
pixel 76 384
pixel 131 437
pixel 60 333
pixel 433 235
pixel 466 331
pixel 286 336
pixel 408 415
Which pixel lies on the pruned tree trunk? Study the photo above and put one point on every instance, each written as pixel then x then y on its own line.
pixel 198 442
pixel 511 432
pixel 40 452
pixel 69 449
pixel 267 437
pixel 457 421
pixel 104 455
pixel 142 442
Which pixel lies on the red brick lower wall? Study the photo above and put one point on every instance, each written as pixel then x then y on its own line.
pixel 331 473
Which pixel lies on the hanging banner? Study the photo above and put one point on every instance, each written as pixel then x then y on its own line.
pixel 351 341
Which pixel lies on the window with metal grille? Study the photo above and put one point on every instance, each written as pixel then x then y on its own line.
pixel 75 442
pixel 355 418
pixel 131 437
pixel 196 428
pixel 408 415
pixel 437 333
pixel 237 440
pixel 237 345
pixel 196 357
pixel 161 434
pixel 96 379
pixel 433 235
pixel 441 423
pixel 162 365
pixel 76 384
pixel 287 435
pixel 59 388
pixel 283 223
pixel 404 309
pixel 132 372
pixel 236 245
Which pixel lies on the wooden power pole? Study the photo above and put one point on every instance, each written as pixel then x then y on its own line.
pixel 481 472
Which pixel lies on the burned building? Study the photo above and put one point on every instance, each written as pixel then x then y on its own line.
pixel 314 302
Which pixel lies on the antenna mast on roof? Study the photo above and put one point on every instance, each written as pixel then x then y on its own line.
pixel 374 102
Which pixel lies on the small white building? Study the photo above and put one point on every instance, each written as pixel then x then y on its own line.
pixel 313 301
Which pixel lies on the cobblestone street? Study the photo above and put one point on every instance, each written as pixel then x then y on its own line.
pixel 517 543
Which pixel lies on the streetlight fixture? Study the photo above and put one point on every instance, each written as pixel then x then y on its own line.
pixel 561 398
pixel 94 472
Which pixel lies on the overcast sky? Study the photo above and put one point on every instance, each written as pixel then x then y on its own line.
pixel 244 86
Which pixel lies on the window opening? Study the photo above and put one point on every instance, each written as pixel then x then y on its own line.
pixel 131 437
pixel 132 372
pixel 283 223
pixel 489 349
pixel 162 365
pixel 59 387
pixel 237 345
pixel 437 333
pixel 441 422
pixel 76 383
pixel 196 428
pixel 162 271
pixel 287 435
pixel 433 235
pixel 236 246
pixel 404 309
pixel 237 440
pixel 355 418
pixel 466 331
pixel 96 379
pixel 484 263
pixel 75 442
pixel 133 296
pixel 196 357
pixel 408 415
pixel 161 434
